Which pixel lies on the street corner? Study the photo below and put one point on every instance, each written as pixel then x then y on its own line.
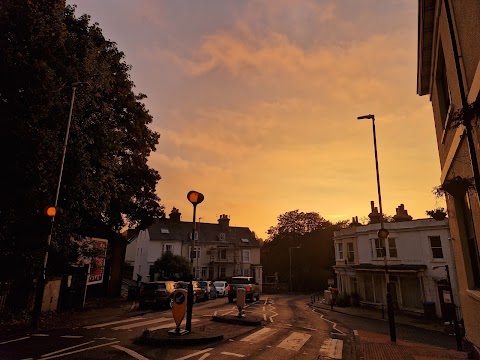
pixel 246 319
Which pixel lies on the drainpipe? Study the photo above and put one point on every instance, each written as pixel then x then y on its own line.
pixel 467 120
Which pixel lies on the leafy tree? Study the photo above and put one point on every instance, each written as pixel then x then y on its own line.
pixel 106 183
pixel 171 266
pixel 294 223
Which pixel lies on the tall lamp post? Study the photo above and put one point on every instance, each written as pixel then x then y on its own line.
pixel 52 211
pixel 383 235
pixel 195 198
pixel 290 253
pixel 456 328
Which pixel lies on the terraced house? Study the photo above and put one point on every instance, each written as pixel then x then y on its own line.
pixel 220 251
pixel 449 73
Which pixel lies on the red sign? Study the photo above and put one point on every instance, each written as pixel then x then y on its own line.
pixel 97 266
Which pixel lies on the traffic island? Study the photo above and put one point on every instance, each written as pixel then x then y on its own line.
pixel 201 335
pixel 247 320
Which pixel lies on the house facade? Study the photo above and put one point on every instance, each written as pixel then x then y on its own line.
pixel 219 251
pixel 449 73
pixel 413 249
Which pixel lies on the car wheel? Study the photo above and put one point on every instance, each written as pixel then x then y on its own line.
pixel 230 299
pixel 194 298
pixel 258 297
pixel 141 305
pixel 171 303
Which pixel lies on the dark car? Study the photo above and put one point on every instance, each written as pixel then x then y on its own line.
pixel 198 292
pixel 157 293
pixel 248 283
pixel 210 290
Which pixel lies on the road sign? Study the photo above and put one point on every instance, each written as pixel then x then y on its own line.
pixel 179 297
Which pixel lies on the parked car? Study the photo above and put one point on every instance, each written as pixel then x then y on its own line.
pixel 210 290
pixel 198 291
pixel 248 283
pixel 221 287
pixel 157 293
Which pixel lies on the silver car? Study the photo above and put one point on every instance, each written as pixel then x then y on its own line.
pixel 221 287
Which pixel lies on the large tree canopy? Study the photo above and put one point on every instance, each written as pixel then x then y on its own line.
pixel 171 266
pixel 106 183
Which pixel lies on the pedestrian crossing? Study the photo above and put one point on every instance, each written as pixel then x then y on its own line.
pixel 136 322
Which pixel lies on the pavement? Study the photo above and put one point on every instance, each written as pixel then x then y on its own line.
pixel 375 346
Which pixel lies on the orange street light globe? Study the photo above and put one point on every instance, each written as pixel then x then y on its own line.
pixel 50 211
pixel 195 197
pixel 382 233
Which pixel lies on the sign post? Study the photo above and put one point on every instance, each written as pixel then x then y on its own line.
pixel 179 308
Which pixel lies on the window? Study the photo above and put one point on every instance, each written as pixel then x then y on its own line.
pixel 221 236
pixel 444 96
pixel 246 272
pixel 472 253
pixel 246 256
pixel 194 253
pixel 350 252
pixel 223 272
pixel 339 251
pixel 436 245
pixel 392 248
pixel 204 272
pixel 245 240
pixel 190 235
pixel 167 247
pixel 222 254
pixel 379 245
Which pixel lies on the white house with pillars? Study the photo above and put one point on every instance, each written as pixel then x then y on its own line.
pixel 413 249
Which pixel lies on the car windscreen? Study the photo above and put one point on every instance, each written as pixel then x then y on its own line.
pixel 219 283
pixel 150 287
pixel 242 281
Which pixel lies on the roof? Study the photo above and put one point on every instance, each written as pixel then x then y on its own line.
pixel 426 10
pixel 168 230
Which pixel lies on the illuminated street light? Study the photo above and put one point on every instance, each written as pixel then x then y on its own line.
pixel 383 235
pixel 52 211
pixel 195 198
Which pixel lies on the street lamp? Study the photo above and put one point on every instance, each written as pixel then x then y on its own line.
pixel 383 235
pixel 456 328
pixel 195 198
pixel 42 279
pixel 290 252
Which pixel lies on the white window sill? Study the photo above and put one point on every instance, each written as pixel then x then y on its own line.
pixel 438 261
pixel 474 294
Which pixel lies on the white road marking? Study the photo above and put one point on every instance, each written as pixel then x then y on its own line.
pixel 355 332
pixel 40 335
pixel 332 322
pixel 113 323
pixel 66 349
pixel 105 338
pixel 232 354
pixel 332 348
pixel 9 341
pixel 195 354
pixel 215 313
pixel 134 304
pixel 258 335
pixel 71 336
pixel 263 308
pixel 204 356
pixel 142 323
pixel 164 326
pixel 271 317
pixel 80 350
pixel 265 317
pixel 295 341
pixel 130 352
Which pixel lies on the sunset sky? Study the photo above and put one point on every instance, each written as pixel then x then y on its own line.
pixel 256 103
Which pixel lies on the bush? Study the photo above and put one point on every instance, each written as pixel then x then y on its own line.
pixel 355 297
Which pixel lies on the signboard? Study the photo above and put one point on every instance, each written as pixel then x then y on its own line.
pixel 97 266
pixel 446 297
pixel 179 308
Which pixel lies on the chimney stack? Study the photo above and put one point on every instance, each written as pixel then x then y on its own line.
pixel 175 215
pixel 224 221
pixel 375 216
pixel 402 214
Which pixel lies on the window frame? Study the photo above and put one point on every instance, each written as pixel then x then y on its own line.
pixel 246 259
pixel 339 251
pixel 433 248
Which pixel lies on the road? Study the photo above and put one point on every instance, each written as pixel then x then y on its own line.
pixel 290 330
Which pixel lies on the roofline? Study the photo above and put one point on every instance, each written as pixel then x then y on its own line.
pixel 426 13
